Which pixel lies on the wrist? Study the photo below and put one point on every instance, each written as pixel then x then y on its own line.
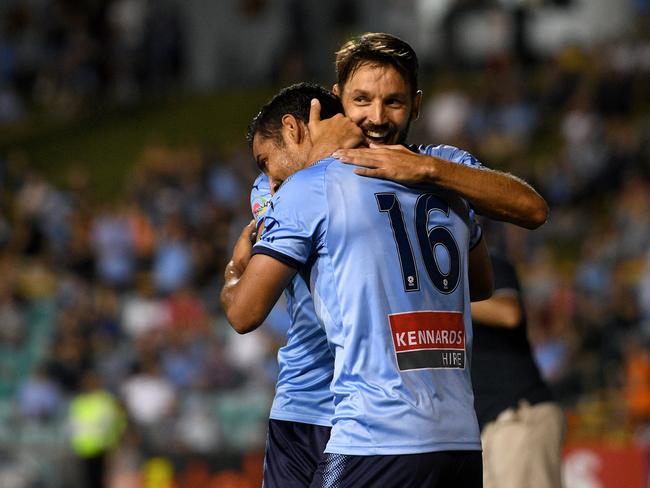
pixel 431 170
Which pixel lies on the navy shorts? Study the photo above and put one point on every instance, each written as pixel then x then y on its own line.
pixel 293 451
pixel 444 469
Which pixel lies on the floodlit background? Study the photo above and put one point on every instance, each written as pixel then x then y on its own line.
pixel 124 180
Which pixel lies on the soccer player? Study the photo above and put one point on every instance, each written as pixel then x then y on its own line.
pixel 301 414
pixel 303 406
pixel 388 268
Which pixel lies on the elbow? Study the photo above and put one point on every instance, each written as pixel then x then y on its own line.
pixel 242 323
pixel 242 329
pixel 538 213
pixel 512 317
pixel 241 319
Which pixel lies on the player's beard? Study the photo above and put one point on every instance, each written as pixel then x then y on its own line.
pixel 393 134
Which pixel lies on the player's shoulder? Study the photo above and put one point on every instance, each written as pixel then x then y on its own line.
pixel 448 153
pixel 305 184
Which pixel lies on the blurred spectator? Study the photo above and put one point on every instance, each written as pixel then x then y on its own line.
pixel 5 231
pixel 113 359
pixel 96 424
pixel 80 256
pixel 39 397
pixel 126 23
pixel 13 327
pixel 173 261
pixel 644 295
pixel 224 184
pixel 43 210
pixel 68 362
pixel 142 310
pixel 182 359
pixel 447 114
pixel 36 279
pixel 143 235
pixel 637 382
pixel 197 428
pixel 149 397
pixel 114 247
pixel 218 372
pixel 250 353
pixel 11 106
pixel 186 311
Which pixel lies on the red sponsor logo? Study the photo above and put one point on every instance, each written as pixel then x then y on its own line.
pixel 427 330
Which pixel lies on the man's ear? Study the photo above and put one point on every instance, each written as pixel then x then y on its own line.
pixel 417 103
pixel 336 90
pixel 294 130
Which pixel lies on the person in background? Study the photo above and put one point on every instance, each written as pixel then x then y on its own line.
pixel 96 426
pixel 522 427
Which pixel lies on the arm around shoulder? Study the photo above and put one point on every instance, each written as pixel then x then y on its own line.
pixel 495 194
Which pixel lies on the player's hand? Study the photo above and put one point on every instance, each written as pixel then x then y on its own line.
pixel 241 254
pixel 330 134
pixel 394 162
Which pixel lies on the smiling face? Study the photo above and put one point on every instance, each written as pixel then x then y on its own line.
pixel 380 101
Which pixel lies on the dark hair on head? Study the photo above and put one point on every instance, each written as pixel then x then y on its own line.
pixel 293 100
pixel 377 48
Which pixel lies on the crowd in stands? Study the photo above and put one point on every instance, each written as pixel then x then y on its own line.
pixel 66 57
pixel 128 290
pixel 133 289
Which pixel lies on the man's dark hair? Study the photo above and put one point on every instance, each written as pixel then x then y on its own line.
pixel 377 48
pixel 293 100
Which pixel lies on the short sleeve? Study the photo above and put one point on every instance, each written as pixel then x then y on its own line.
pixel 260 197
pixel 505 276
pixel 452 154
pixel 294 223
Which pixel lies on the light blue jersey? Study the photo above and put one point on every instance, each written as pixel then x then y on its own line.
pixel 448 153
pixel 387 268
pixel 306 363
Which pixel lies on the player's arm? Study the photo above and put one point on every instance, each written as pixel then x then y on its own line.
pixel 495 194
pixel 481 280
pixel 252 286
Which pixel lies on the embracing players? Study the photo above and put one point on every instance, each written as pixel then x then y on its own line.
pixel 378 86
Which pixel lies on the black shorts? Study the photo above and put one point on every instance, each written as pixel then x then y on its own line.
pixel 444 469
pixel 293 451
